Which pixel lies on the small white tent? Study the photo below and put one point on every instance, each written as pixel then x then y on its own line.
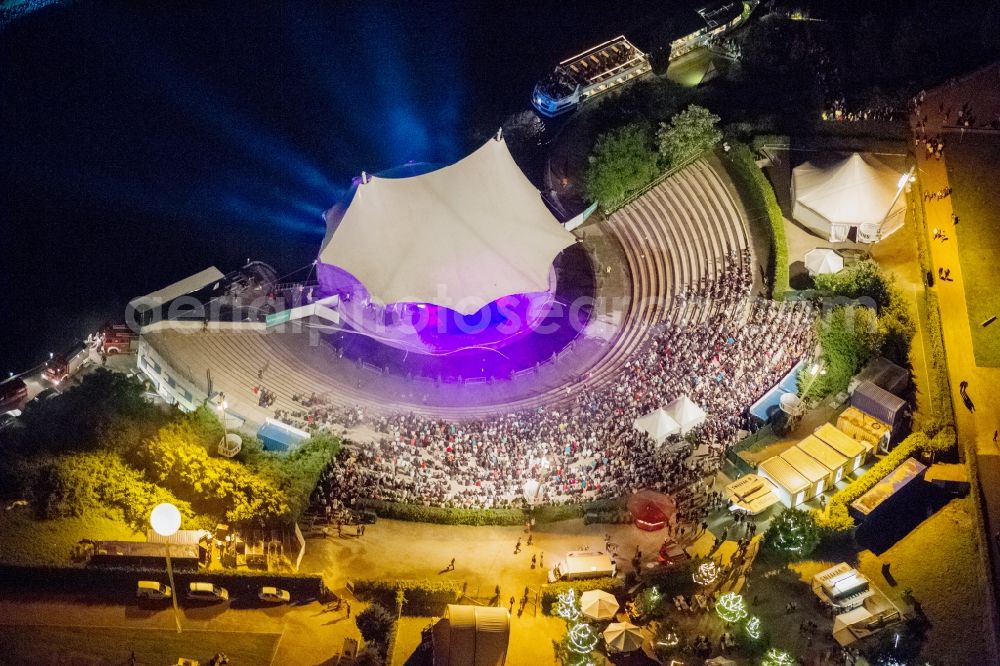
pixel 858 192
pixel 823 260
pixel 686 413
pixel 658 425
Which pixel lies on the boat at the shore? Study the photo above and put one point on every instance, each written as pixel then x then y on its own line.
pixel 617 61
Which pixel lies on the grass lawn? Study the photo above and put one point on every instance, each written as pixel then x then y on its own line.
pixel 972 168
pixel 938 560
pixel 24 540
pixel 20 644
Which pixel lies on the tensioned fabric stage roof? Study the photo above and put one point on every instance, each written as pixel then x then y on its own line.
pixel 461 236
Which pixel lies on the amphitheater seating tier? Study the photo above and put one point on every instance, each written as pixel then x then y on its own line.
pixel 682 231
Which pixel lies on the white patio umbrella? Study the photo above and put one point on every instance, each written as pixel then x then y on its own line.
pixel 598 604
pixel 823 260
pixel 623 637
pixel 658 425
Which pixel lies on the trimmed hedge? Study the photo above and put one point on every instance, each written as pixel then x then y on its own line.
pixel 937 364
pixel 550 591
pixel 118 582
pixel 762 198
pixel 548 513
pixel 835 518
pixel 421 597
pixel 441 515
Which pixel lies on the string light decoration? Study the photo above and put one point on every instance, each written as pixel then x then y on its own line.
pixel 706 574
pixel 753 628
pixel 776 657
pixel 567 607
pixel 582 638
pixel 793 532
pixel 731 607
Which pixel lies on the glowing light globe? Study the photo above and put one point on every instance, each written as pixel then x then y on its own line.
pixel 165 519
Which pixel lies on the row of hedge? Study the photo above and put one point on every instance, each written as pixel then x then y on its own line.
pixel 549 513
pixel 420 597
pixel 937 365
pixel 615 586
pixel 117 582
pixel 762 198
pixel 835 517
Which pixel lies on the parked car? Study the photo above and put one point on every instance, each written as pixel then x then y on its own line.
pixel 43 395
pixel 13 394
pixel 151 589
pixel 207 592
pixel 274 595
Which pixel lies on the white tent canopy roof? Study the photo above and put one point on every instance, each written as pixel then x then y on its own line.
pixel 658 425
pixel 461 236
pixel 822 260
pixel 857 191
pixel 686 413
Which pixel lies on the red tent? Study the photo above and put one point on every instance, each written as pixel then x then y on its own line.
pixel 651 510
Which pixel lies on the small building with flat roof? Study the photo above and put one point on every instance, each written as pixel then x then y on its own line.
pixel 809 468
pixel 852 449
pixel 826 456
pixel 790 486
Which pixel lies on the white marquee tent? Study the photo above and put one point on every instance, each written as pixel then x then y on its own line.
pixel 461 236
pixel 858 192
pixel 658 425
pixel 686 413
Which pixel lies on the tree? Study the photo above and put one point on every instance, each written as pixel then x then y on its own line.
pixel 375 623
pixel 866 280
pixel 621 162
pixel 942 442
pixel 849 336
pixel 690 132
pixel 793 534
pixel 859 280
pixel 78 419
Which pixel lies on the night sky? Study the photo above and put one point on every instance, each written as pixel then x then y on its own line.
pixel 142 144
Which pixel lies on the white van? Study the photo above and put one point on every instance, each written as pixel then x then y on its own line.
pixel 580 564
pixel 207 592
pixel 150 589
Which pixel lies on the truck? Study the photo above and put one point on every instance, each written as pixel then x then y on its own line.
pixel 581 564
pixel 117 339
pixel 61 367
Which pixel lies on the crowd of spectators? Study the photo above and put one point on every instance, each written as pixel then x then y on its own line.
pixel 588 448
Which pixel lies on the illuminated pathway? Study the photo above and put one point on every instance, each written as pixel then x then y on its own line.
pixel 975 429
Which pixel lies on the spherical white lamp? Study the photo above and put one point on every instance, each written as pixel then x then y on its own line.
pixel 165 519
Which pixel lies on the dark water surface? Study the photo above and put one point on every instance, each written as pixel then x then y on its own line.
pixel 141 143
